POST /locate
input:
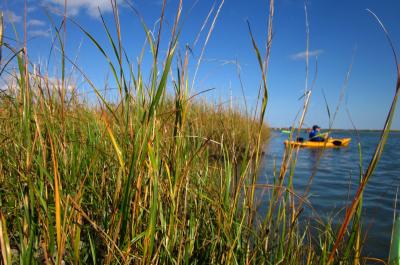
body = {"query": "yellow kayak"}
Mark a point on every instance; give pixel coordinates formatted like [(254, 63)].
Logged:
[(330, 142)]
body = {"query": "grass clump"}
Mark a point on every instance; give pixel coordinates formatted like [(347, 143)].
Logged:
[(227, 125), (75, 158), (129, 182)]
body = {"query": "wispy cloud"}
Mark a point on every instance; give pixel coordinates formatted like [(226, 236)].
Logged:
[(11, 17), (36, 23), (39, 33), (31, 9), (89, 6), (302, 55), (9, 82)]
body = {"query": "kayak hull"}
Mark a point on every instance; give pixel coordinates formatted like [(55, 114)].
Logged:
[(330, 143)]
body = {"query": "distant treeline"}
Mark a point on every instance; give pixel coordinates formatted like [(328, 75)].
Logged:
[(332, 130)]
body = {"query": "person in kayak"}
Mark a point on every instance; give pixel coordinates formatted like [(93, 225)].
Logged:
[(315, 135)]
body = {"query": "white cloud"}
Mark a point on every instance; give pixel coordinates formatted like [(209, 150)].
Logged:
[(36, 23), (9, 82), (90, 6), (55, 84), (39, 33), (11, 17), (303, 55), (31, 9)]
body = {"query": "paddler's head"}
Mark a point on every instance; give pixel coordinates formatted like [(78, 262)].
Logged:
[(316, 128)]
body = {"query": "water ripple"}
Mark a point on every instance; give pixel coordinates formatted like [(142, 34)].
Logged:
[(336, 179)]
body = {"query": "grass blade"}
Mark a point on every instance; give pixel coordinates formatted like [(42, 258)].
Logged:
[(4, 241)]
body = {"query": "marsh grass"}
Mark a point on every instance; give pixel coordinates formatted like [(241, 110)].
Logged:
[(155, 178)]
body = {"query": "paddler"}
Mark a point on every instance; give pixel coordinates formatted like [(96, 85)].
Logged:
[(315, 134)]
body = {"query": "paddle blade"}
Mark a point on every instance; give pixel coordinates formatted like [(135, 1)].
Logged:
[(337, 143)]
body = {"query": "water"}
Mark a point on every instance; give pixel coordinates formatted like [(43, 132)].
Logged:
[(336, 180)]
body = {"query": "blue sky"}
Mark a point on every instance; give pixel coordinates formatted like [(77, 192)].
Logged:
[(339, 31)]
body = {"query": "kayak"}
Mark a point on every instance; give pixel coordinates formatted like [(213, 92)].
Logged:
[(331, 142)]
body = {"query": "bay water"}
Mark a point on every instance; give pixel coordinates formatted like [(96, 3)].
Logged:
[(336, 180)]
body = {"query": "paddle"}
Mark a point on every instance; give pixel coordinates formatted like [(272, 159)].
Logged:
[(320, 135), (301, 139)]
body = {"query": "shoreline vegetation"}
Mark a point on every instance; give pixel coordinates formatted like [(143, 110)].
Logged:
[(157, 177)]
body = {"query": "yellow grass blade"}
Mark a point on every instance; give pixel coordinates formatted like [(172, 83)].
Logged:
[(57, 201), (4, 242), (116, 146)]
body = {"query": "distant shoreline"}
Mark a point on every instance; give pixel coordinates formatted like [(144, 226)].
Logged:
[(336, 130)]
